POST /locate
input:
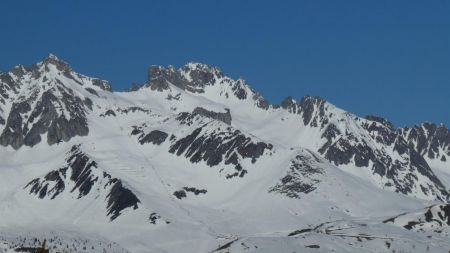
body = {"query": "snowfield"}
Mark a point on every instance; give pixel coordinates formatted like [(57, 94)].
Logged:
[(194, 161)]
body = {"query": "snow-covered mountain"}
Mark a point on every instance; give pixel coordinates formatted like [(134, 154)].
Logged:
[(195, 161)]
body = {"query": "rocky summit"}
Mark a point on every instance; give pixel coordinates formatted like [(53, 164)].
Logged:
[(195, 161)]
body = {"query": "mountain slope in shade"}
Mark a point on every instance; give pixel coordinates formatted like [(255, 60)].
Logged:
[(194, 161)]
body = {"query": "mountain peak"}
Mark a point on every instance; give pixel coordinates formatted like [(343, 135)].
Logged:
[(19, 70), (288, 103), (52, 59), (312, 99), (192, 77), (130, 160), (380, 120), (52, 56), (200, 67)]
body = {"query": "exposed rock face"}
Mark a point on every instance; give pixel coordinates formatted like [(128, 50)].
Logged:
[(371, 142), (200, 75), (92, 91), (10, 86), (43, 101), (156, 137), (429, 140), (261, 102), (64, 129), (120, 198), (110, 113), (13, 134), (67, 71), (224, 117), (402, 174), (42, 189), (311, 109), (303, 176), (289, 104), (81, 173), (209, 145), (195, 190), (381, 120), (85, 177), (102, 84), (154, 217), (383, 132), (196, 77), (44, 118), (133, 109), (180, 194), (434, 218)]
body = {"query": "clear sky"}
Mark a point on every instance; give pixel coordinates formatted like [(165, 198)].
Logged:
[(383, 57)]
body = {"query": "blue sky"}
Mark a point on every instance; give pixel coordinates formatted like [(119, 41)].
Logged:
[(388, 58)]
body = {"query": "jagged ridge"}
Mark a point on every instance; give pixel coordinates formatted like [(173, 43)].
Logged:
[(82, 173)]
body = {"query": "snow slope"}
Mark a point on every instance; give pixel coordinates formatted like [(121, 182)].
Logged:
[(194, 161)]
